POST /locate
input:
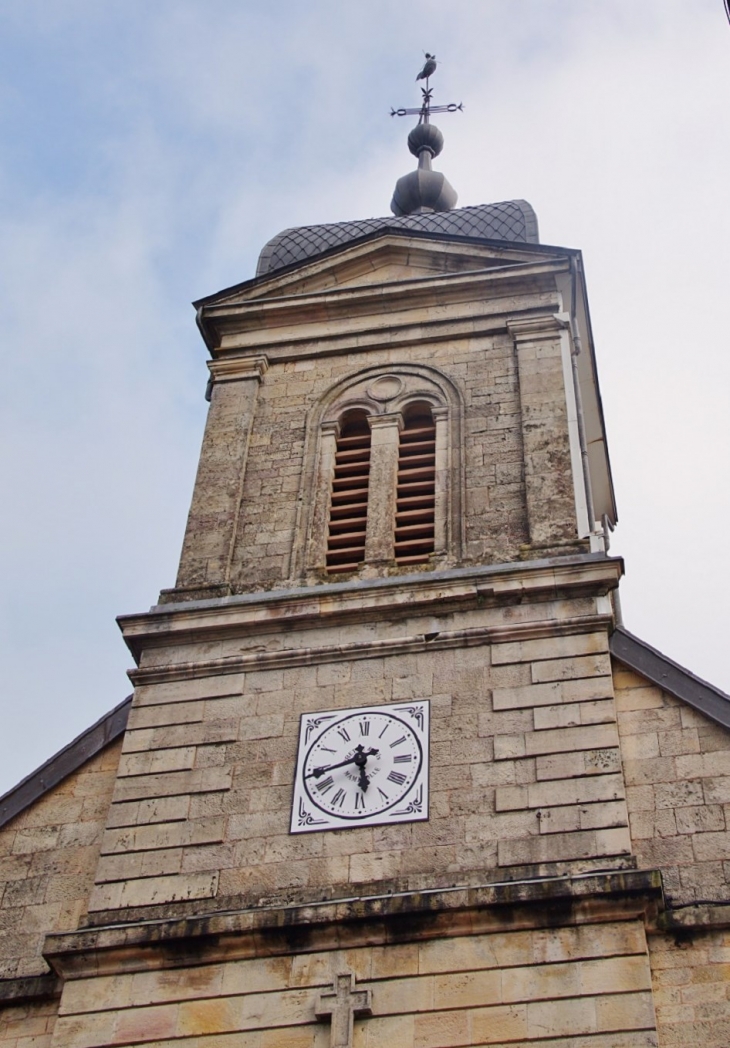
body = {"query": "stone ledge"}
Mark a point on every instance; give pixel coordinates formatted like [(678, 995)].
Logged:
[(698, 916), (14, 992), (313, 656), (178, 594), (306, 607), (358, 921)]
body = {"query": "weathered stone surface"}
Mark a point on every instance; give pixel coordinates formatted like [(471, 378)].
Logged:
[(557, 985), (677, 800), (48, 854)]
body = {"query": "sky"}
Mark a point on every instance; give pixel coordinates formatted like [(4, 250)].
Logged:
[(147, 153)]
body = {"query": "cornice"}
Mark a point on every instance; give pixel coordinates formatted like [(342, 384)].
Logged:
[(333, 305), (692, 919), (406, 645), (480, 318), (308, 607), (361, 921), (29, 990)]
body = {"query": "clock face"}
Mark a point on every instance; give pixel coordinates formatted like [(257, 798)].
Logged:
[(362, 767)]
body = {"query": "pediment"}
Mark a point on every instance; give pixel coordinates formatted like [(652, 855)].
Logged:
[(385, 259)]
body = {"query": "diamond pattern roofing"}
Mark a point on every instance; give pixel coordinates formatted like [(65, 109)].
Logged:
[(511, 220)]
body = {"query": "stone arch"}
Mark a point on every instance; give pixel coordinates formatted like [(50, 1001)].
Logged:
[(384, 392)]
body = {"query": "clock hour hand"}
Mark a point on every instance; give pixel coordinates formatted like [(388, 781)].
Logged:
[(359, 759)]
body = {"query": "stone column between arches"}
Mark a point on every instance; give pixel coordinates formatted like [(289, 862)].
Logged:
[(383, 487)]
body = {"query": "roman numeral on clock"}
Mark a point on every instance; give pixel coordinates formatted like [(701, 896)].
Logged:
[(325, 784), (405, 758), (343, 733), (397, 777), (364, 727), (359, 802), (397, 742), (338, 798)]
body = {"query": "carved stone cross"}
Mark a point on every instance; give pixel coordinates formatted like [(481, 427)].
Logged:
[(342, 1006)]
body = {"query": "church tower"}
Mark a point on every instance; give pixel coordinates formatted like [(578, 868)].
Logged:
[(371, 790)]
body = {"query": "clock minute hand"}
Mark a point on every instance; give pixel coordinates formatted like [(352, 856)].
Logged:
[(316, 772), (360, 758)]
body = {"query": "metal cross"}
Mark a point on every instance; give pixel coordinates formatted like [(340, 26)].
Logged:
[(425, 109), (342, 1006)]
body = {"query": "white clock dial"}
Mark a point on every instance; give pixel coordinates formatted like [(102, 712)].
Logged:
[(360, 767)]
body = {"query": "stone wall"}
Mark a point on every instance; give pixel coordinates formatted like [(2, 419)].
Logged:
[(494, 520), (250, 510), (572, 987), (48, 855), (525, 767), (28, 1025), (691, 979), (677, 769)]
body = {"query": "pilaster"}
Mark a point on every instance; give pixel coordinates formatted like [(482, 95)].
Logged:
[(212, 521), (549, 487)]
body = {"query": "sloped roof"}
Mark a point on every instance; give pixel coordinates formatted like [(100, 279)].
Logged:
[(670, 676), (511, 220), (65, 762)]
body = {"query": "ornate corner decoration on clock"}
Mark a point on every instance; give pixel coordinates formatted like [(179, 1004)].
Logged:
[(362, 767)]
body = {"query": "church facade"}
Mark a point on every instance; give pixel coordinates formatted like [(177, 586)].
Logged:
[(393, 771)]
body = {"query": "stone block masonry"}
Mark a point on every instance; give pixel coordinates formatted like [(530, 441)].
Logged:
[(48, 854), (280, 360), (574, 986), (677, 770), (691, 988), (201, 810)]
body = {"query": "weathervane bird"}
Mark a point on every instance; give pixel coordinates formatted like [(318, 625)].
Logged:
[(429, 68)]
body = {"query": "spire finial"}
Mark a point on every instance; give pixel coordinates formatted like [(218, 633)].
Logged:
[(424, 189)]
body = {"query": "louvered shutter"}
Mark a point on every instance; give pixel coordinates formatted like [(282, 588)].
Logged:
[(416, 499), (349, 500)]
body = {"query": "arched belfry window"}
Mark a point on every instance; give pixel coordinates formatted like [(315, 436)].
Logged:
[(416, 493), (349, 497), (382, 483)]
